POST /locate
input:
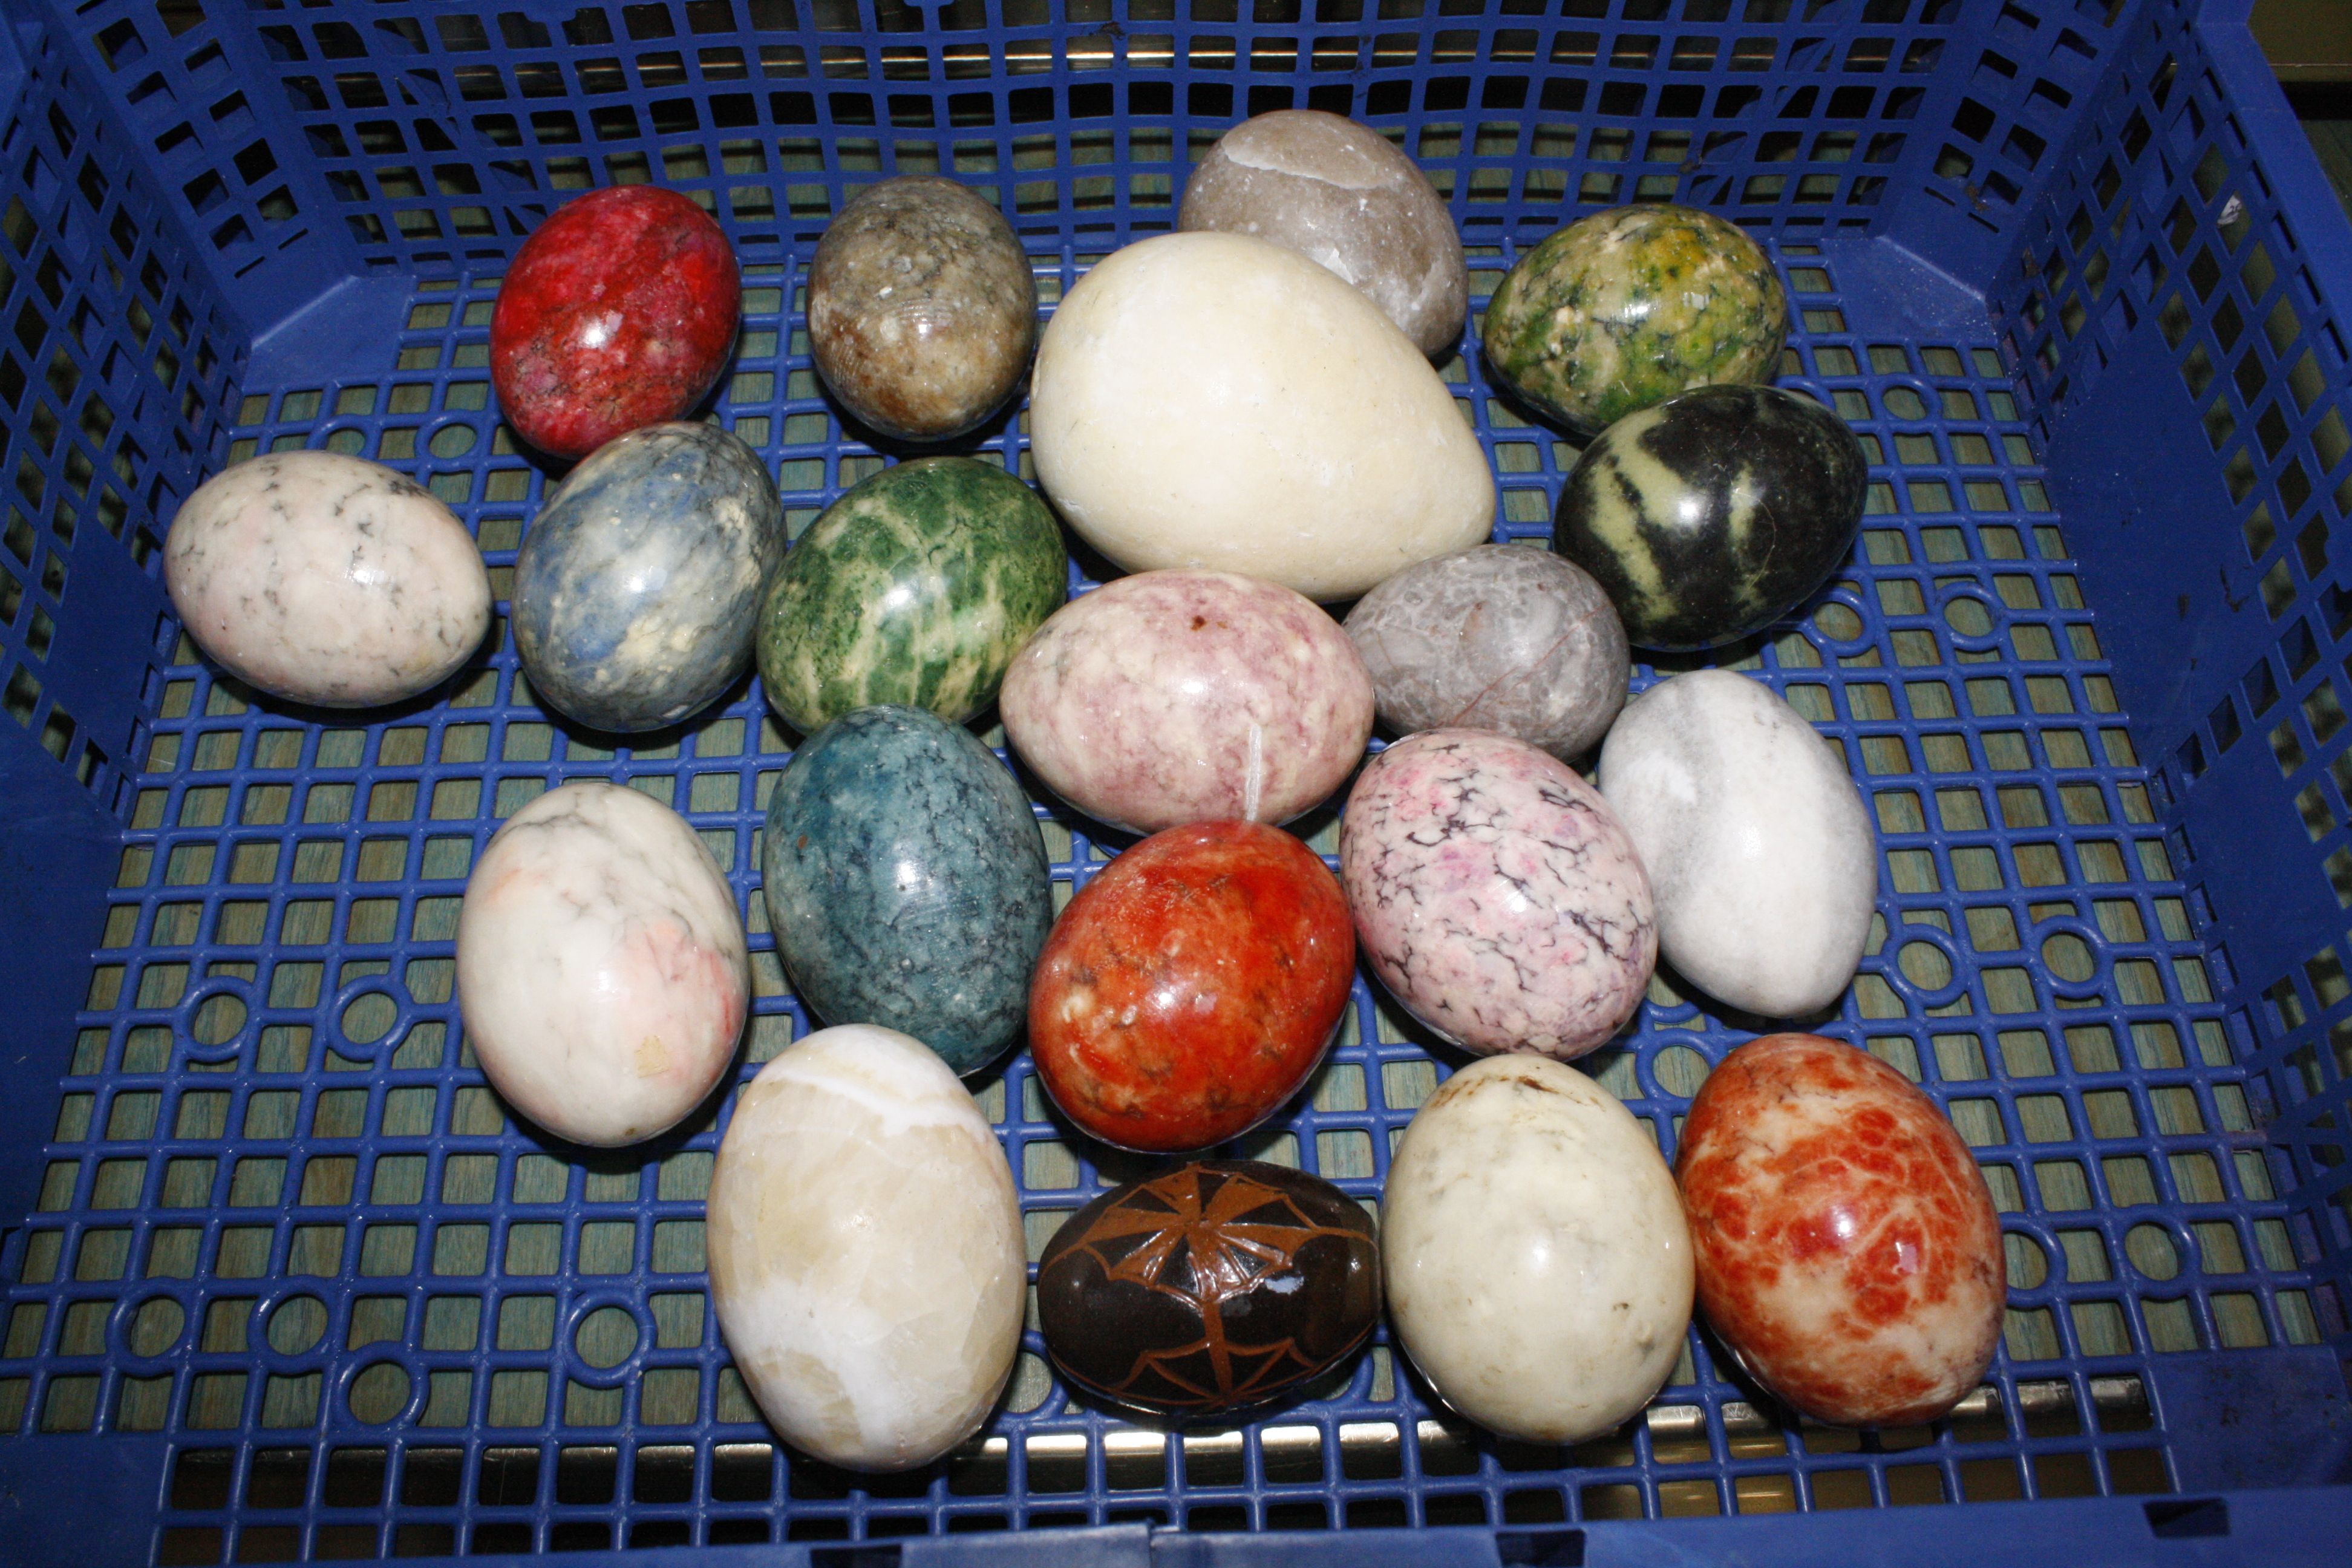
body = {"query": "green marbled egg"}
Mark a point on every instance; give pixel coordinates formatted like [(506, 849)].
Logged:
[(1625, 308), (915, 588)]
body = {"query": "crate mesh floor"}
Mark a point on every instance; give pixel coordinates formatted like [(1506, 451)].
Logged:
[(287, 1232), (286, 1221)]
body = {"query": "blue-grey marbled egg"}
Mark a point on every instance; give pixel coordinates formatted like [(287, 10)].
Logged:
[(906, 882), (639, 587)]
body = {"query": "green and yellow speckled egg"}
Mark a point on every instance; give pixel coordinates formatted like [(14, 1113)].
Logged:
[(1625, 308), (915, 588)]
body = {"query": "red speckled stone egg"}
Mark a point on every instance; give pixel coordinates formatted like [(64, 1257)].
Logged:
[(1192, 986), (1847, 1249), (619, 311)]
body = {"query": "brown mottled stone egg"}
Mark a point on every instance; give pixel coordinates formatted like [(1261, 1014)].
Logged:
[(922, 310)]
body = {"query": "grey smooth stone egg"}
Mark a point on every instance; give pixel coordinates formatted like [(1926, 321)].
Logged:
[(1508, 638), (1342, 195)]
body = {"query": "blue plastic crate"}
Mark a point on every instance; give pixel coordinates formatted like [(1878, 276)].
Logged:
[(287, 1284)]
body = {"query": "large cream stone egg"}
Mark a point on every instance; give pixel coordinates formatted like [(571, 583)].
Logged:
[(1534, 1253), (867, 1258), (1215, 401)]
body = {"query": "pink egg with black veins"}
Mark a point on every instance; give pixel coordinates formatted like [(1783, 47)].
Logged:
[(1182, 696), (1496, 895)]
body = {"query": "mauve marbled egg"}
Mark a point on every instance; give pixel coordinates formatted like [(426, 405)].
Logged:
[(324, 579), (1535, 1256), (1183, 695), (1848, 1250), (1500, 637), (1215, 1286), (601, 966), (906, 882), (1496, 894), (638, 586), (922, 310), (867, 1263)]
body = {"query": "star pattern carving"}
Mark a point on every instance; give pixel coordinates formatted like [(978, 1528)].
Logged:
[(1208, 1237)]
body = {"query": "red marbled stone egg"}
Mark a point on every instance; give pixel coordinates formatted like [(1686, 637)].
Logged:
[(1192, 986), (1847, 1250), (619, 311)]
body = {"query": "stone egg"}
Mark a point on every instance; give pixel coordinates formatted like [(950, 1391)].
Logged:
[(1533, 1251), (1495, 895), (1192, 986), (1761, 855), (917, 588), (638, 585), (906, 882), (1847, 1249), (1628, 307), (866, 1260), (1218, 402), (1713, 514), (323, 579), (1173, 697), (1219, 1286), (1507, 637), (922, 310), (619, 311), (1343, 195), (601, 966)]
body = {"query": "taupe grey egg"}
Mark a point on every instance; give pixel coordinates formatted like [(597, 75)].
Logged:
[(1508, 638), (922, 312), (1341, 193)]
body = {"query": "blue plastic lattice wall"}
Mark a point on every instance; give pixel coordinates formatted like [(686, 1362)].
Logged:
[(286, 1261)]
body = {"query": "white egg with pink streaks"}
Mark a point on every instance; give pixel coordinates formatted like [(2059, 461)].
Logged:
[(602, 970), (1181, 696)]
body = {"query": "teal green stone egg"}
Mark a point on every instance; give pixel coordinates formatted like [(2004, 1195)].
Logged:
[(917, 588), (1626, 308), (906, 882)]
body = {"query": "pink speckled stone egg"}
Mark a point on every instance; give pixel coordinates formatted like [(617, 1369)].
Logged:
[(1181, 696), (1496, 894)]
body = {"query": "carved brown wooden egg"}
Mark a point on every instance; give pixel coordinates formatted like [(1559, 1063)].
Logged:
[(1217, 1286)]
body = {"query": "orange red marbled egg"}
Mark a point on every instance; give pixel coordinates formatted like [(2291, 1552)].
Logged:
[(1847, 1250)]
